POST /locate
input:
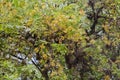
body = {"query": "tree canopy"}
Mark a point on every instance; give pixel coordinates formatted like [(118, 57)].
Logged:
[(59, 39)]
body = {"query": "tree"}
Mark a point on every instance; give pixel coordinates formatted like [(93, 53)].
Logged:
[(59, 40)]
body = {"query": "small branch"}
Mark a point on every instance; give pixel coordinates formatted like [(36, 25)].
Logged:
[(36, 66), (17, 57), (99, 10), (42, 72)]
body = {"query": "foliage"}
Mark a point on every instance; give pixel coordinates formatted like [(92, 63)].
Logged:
[(59, 40)]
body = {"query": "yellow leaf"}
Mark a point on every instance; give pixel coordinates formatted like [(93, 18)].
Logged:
[(29, 23), (44, 56), (106, 28), (32, 12), (43, 6), (9, 4), (14, 12), (62, 38), (36, 50), (46, 65), (53, 73), (117, 61), (42, 46), (107, 77), (106, 41), (82, 12), (36, 8), (52, 64), (92, 41), (60, 69)]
